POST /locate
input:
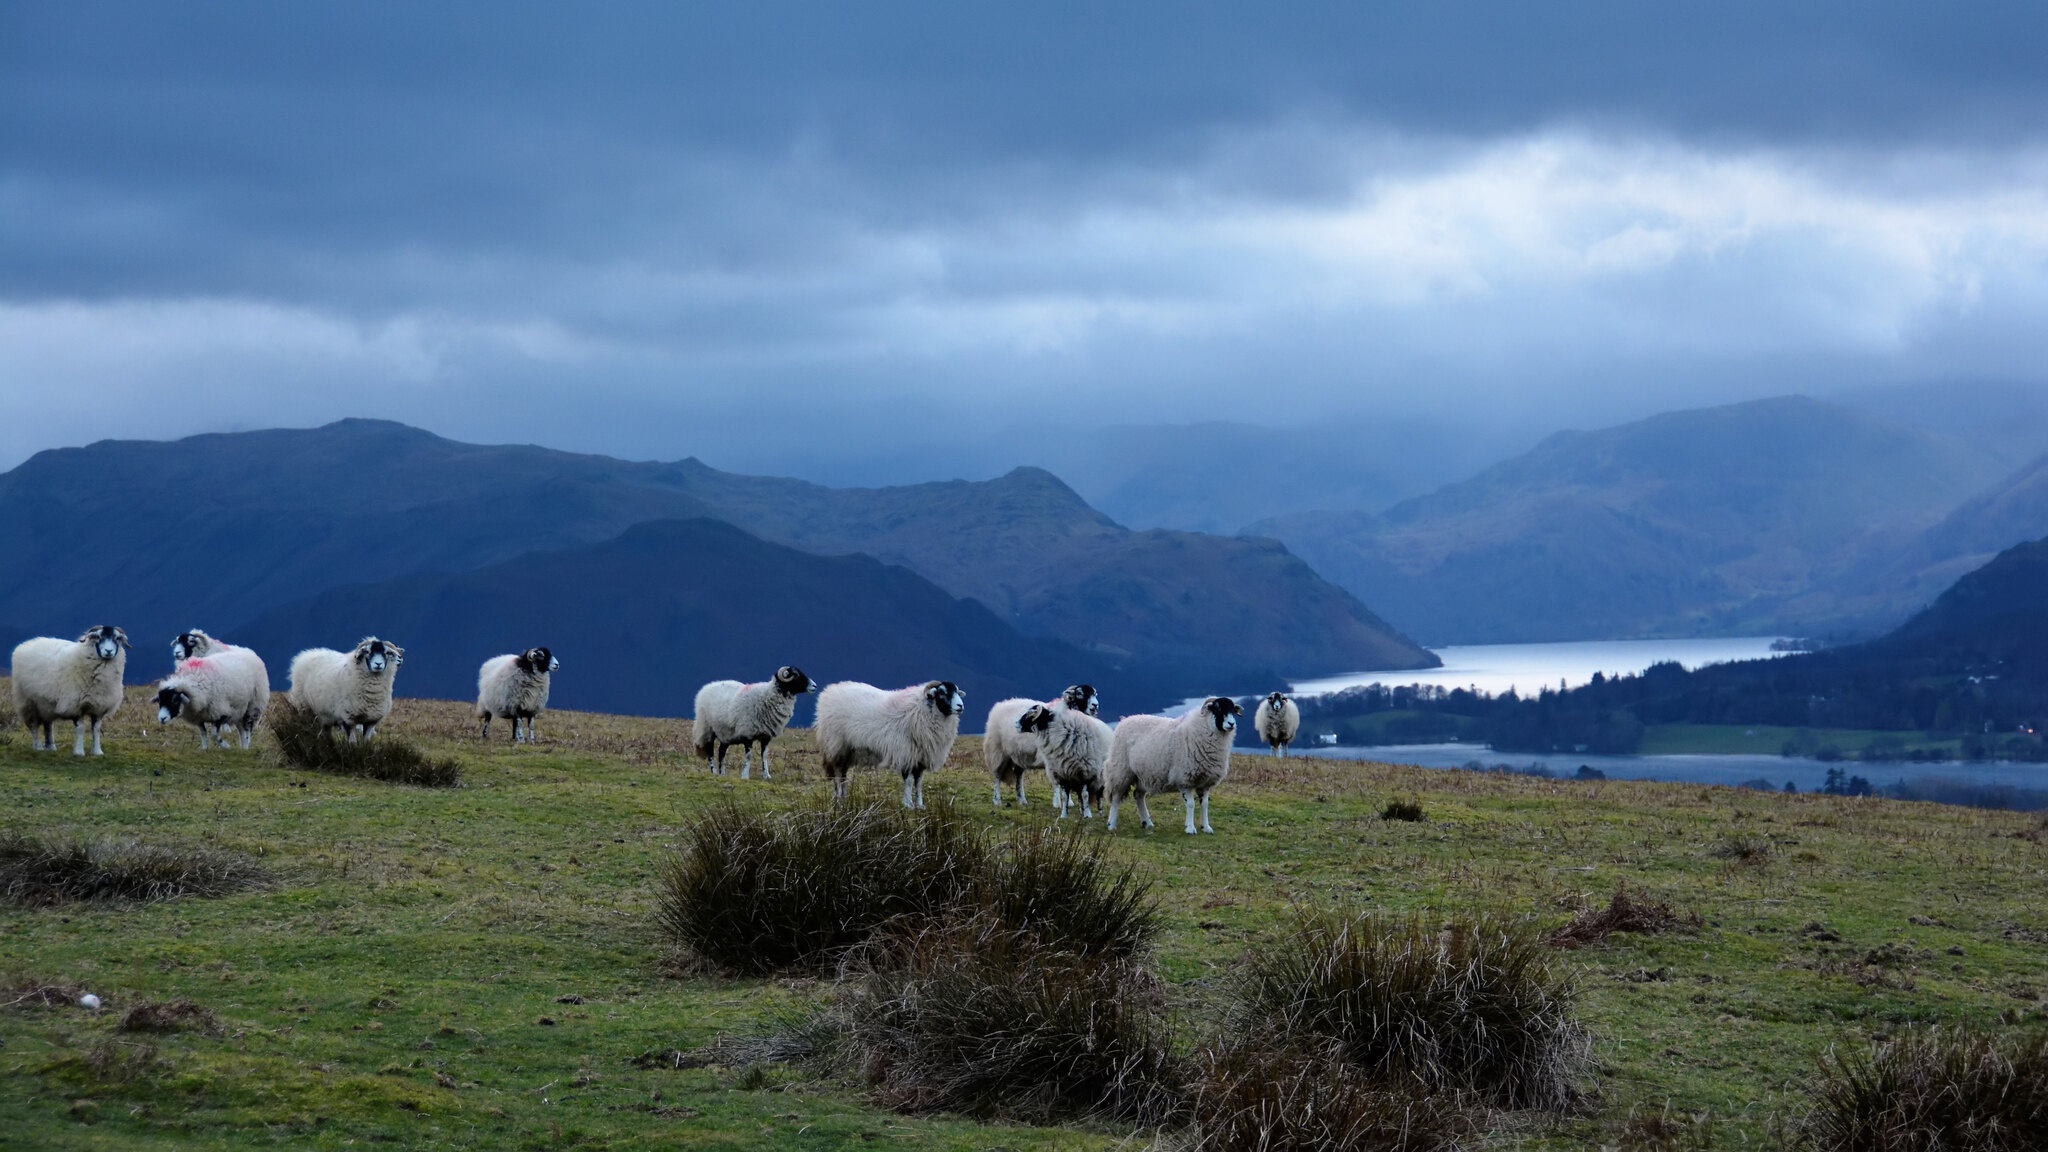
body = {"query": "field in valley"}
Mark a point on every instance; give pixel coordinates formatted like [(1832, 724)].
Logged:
[(479, 967)]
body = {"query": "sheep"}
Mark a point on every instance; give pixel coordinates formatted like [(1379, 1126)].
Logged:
[(214, 685), (76, 680), (729, 712), (1079, 697), (347, 690), (514, 688), (1073, 747), (1010, 751), (1153, 754), (909, 731), (1277, 720)]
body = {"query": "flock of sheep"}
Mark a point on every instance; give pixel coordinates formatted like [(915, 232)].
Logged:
[(218, 687)]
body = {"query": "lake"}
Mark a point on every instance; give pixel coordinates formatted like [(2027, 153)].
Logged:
[(1527, 668), (1804, 773)]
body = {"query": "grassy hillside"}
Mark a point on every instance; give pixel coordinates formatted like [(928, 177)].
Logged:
[(477, 968)]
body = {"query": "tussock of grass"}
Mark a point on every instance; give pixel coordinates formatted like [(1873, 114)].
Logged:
[(1744, 849), (1066, 889), (1474, 1006), (1405, 810), (170, 1016), (757, 891), (39, 871), (38, 994), (1624, 913), (1267, 1094), (304, 743), (968, 1014), (1933, 1090)]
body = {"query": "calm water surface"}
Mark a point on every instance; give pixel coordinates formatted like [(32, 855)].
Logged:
[(1528, 668)]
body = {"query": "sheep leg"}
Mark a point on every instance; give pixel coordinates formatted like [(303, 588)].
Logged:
[(1020, 789), (1113, 802), (998, 790), (918, 779), (247, 734), (908, 792), (1187, 807), (1205, 814), (764, 759), (77, 738), (484, 732), (98, 722), (1144, 810), (1283, 751)]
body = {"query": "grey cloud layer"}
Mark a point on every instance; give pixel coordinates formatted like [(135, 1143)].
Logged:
[(636, 233)]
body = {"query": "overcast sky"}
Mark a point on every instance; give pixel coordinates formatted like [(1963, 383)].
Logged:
[(783, 235)]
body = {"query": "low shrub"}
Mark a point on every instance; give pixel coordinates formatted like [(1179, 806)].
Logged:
[(1407, 810), (1264, 1094), (304, 743), (37, 871), (1623, 913), (1933, 1090), (1064, 888), (967, 1014), (757, 891), (1474, 1005)]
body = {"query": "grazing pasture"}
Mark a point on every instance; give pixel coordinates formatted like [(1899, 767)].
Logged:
[(485, 966)]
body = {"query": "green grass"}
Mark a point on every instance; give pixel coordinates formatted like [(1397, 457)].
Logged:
[(1763, 740), (390, 986)]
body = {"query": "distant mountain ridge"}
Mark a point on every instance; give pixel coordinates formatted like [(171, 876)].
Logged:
[(218, 530), (643, 640), (1721, 520)]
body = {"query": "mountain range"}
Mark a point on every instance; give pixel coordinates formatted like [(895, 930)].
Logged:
[(1781, 515), (254, 530)]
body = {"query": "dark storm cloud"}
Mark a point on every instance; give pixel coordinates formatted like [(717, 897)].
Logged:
[(637, 227)]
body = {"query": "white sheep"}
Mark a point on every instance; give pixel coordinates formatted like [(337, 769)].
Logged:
[(347, 690), (729, 712), (1152, 755), (909, 731), (1010, 752), (214, 685), (514, 688), (1073, 746), (1079, 697), (1277, 721), (76, 680)]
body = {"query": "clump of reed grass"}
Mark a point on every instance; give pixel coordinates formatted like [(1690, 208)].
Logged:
[(1622, 913), (1475, 1005), (304, 742), (170, 1016), (1405, 810), (756, 891), (969, 1014), (40, 870), (1065, 888), (1933, 1090), (1743, 849), (1266, 1093)]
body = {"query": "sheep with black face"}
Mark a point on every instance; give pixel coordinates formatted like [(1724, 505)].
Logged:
[(347, 690), (1152, 755), (214, 685), (515, 688), (1277, 721), (1073, 746), (729, 712), (76, 680), (909, 731)]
